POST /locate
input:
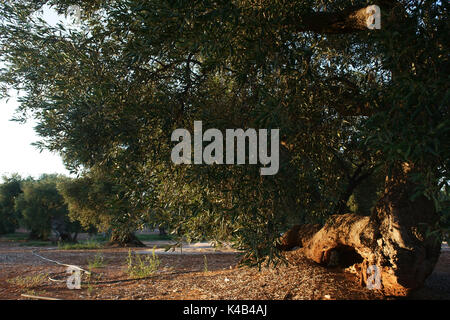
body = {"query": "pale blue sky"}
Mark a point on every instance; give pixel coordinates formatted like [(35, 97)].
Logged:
[(18, 155)]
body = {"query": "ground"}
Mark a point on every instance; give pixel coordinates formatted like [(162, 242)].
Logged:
[(197, 273)]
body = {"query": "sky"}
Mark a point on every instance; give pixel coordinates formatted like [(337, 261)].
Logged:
[(17, 155)]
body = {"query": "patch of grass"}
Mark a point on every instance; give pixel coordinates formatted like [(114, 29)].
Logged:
[(142, 267), (22, 238), (17, 236), (81, 245), (35, 293), (35, 243), (90, 290), (153, 237), (99, 238), (29, 281), (97, 262)]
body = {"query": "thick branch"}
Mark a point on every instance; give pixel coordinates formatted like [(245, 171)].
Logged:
[(349, 100), (347, 21), (354, 181), (350, 20), (400, 240)]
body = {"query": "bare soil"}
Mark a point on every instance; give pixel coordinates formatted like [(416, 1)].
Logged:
[(184, 276)]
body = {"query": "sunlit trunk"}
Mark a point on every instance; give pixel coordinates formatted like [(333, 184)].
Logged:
[(397, 241)]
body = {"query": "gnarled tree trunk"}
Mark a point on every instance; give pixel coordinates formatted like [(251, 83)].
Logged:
[(120, 239), (60, 227), (395, 239)]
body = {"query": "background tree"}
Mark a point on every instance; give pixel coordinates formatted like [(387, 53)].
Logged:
[(95, 200), (9, 191), (43, 210)]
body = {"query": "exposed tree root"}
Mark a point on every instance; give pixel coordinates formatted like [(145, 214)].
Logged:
[(396, 239)]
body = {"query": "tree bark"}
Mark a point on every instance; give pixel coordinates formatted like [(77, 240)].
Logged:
[(60, 227), (162, 231), (396, 239), (347, 21), (118, 239), (350, 20)]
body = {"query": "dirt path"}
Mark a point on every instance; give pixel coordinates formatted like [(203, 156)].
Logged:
[(200, 274)]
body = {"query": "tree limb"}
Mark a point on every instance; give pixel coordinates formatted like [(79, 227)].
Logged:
[(350, 20), (347, 21)]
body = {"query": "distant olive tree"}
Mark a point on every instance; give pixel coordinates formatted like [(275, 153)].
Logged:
[(95, 199), (43, 210), (9, 191)]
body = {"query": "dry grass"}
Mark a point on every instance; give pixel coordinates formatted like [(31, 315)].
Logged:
[(28, 282)]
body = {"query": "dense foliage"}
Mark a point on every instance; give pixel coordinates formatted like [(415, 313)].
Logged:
[(43, 210), (95, 200), (9, 191)]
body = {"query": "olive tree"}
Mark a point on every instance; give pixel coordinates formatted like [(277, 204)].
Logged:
[(350, 102)]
